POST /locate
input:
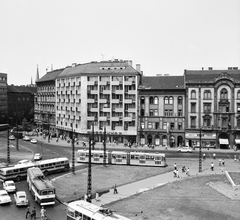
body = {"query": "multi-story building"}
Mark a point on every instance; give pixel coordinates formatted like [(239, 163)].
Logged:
[(161, 111), (45, 102), (99, 94), (21, 103), (3, 99), (212, 107)]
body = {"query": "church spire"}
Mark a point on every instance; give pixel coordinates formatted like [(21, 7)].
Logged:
[(37, 76), (31, 81)]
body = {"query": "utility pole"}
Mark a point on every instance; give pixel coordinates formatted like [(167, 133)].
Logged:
[(104, 147), (17, 146), (200, 152), (8, 148), (48, 129), (73, 152)]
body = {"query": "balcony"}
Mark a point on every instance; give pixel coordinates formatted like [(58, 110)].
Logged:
[(90, 100), (115, 101), (107, 91), (118, 110), (102, 83), (106, 109), (94, 109), (90, 118), (127, 83), (103, 118), (94, 92), (132, 110), (115, 118), (131, 92), (118, 91), (90, 83), (102, 100), (115, 83), (128, 101), (128, 118)]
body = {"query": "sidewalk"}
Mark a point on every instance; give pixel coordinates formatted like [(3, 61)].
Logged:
[(156, 181)]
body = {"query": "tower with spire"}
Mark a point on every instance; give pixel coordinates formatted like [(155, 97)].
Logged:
[(37, 76)]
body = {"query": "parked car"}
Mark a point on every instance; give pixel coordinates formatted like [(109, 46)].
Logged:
[(4, 197), (20, 198), (9, 186), (24, 161), (37, 156), (11, 137), (26, 138), (33, 141), (185, 150)]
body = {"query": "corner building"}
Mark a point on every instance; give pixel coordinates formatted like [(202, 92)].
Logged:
[(98, 94), (213, 108)]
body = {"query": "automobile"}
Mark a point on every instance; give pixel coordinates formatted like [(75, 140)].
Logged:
[(9, 186), (185, 150), (37, 156), (26, 138), (33, 141), (11, 137), (4, 197), (20, 198), (24, 161)]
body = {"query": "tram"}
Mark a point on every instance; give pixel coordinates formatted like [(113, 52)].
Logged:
[(123, 158)]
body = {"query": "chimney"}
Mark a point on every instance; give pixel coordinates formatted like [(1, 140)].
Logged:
[(138, 67), (229, 68), (129, 62), (210, 68), (202, 68), (74, 64)]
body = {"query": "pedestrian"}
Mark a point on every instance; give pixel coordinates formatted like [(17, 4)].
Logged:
[(235, 158), (97, 197), (115, 189), (214, 156), (43, 213), (28, 212), (212, 166), (177, 173), (223, 162), (188, 171), (220, 162), (33, 214), (204, 156), (175, 166), (174, 174), (183, 169), (85, 197)]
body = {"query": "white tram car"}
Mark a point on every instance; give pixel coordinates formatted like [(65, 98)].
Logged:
[(123, 158), (81, 209)]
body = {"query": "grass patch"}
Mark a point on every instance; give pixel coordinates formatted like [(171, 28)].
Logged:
[(235, 177), (71, 187), (189, 199)]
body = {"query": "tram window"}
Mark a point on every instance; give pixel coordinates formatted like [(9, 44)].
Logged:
[(70, 213), (9, 172), (86, 217), (16, 171)]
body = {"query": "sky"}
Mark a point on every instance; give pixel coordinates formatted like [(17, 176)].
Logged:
[(163, 36)]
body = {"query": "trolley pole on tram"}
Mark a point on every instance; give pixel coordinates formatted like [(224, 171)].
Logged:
[(104, 147)]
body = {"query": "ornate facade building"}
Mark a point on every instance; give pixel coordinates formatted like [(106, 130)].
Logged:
[(212, 107), (45, 102), (98, 94), (162, 111)]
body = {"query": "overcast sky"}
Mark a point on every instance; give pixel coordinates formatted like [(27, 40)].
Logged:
[(164, 36)]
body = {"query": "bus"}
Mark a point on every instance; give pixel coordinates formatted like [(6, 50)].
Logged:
[(135, 158), (83, 210), (19, 171), (41, 188)]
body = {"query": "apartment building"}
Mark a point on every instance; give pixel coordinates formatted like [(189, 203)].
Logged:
[(45, 102), (213, 107), (3, 99), (98, 95), (161, 111)]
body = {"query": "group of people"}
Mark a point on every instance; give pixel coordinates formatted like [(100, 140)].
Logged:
[(33, 213), (184, 170)]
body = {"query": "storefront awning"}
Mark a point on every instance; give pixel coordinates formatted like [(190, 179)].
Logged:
[(223, 141), (237, 141)]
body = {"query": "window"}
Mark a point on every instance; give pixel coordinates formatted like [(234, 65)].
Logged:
[(155, 100), (156, 125), (193, 107), (151, 100), (166, 100), (151, 112), (238, 108), (180, 100), (149, 124), (238, 122), (207, 121), (172, 125), (193, 94), (168, 113), (238, 94), (170, 100), (223, 94), (179, 125), (142, 125), (142, 112), (207, 94), (193, 122), (180, 113), (164, 125), (142, 100), (207, 108), (155, 112)]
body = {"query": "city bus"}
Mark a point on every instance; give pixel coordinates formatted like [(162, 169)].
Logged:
[(19, 171), (41, 188), (83, 210)]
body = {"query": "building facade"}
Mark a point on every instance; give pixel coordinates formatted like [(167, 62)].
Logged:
[(3, 99), (213, 107), (21, 103), (161, 111), (45, 102), (98, 95)]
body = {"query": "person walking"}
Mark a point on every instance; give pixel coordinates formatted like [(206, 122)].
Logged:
[(43, 213), (28, 212), (33, 214), (115, 189), (223, 162), (212, 166), (188, 171), (97, 197), (220, 162), (204, 156), (214, 156), (175, 166)]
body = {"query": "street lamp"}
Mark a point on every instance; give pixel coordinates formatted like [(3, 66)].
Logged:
[(73, 151), (200, 151), (104, 147)]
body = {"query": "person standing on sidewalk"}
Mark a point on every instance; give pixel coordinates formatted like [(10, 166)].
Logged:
[(28, 212), (212, 166), (214, 156), (204, 156), (175, 166), (115, 189), (223, 162)]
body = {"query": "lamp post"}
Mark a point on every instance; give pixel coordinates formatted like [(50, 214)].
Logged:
[(200, 151), (104, 147), (48, 128), (73, 151)]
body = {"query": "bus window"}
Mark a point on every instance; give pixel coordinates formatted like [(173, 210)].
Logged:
[(16, 170)]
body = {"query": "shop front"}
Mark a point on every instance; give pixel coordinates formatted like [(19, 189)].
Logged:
[(207, 139)]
